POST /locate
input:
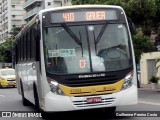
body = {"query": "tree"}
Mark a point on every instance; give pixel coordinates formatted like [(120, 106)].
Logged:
[(142, 12), (142, 44), (156, 22), (15, 31), (5, 51), (6, 47), (81, 2)]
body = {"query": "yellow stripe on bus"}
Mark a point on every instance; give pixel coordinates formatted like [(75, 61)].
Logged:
[(92, 90)]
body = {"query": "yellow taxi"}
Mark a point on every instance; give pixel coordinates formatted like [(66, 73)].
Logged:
[(7, 77)]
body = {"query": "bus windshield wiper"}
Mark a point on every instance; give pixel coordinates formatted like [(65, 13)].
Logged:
[(71, 34), (101, 33)]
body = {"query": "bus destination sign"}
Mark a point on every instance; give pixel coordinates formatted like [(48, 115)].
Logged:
[(80, 16)]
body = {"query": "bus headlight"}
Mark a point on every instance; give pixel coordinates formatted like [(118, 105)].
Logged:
[(55, 88), (128, 81)]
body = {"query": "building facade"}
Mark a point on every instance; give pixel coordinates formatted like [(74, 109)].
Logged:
[(11, 15), (32, 7), (149, 66)]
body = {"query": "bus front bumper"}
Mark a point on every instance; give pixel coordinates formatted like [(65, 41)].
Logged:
[(55, 103)]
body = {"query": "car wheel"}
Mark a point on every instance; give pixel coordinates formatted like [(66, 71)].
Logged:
[(1, 86)]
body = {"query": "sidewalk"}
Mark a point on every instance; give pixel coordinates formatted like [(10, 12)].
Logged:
[(148, 88), (147, 95)]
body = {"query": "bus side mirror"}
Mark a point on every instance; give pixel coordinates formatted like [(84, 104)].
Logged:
[(132, 27)]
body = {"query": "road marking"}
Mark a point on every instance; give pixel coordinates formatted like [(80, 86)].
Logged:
[(149, 103), (2, 96)]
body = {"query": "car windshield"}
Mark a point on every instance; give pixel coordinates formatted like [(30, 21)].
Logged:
[(86, 48), (7, 72)]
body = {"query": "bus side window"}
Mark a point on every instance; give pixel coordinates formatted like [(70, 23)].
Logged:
[(16, 53), (24, 40), (33, 44), (18, 50), (21, 49), (37, 32), (28, 45), (37, 38)]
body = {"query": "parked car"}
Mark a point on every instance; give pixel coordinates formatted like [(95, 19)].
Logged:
[(7, 77)]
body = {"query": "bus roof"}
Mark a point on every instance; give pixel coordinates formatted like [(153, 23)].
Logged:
[(65, 8), (80, 6)]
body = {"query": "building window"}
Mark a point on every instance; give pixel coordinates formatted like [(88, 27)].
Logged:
[(49, 3), (13, 6), (66, 1), (13, 16)]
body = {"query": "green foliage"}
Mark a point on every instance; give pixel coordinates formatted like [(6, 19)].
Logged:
[(81, 2), (145, 13), (154, 79), (15, 31), (6, 47), (142, 44), (6, 51)]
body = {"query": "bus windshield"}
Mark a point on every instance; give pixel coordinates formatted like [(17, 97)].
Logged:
[(88, 48)]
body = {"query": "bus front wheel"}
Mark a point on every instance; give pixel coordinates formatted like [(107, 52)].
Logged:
[(37, 105)]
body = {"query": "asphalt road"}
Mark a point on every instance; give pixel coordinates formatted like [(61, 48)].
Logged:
[(10, 100)]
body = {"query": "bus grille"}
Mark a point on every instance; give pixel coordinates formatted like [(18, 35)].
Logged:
[(92, 81), (83, 103)]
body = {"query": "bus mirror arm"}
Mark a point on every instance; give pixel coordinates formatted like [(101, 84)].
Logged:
[(132, 27)]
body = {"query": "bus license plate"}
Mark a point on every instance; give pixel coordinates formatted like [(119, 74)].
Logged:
[(94, 100)]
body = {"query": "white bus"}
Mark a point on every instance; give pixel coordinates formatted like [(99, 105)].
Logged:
[(75, 58)]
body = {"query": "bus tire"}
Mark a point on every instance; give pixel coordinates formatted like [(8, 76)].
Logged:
[(25, 102), (44, 114), (37, 105)]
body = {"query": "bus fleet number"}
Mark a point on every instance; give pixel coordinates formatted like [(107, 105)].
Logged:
[(68, 17)]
